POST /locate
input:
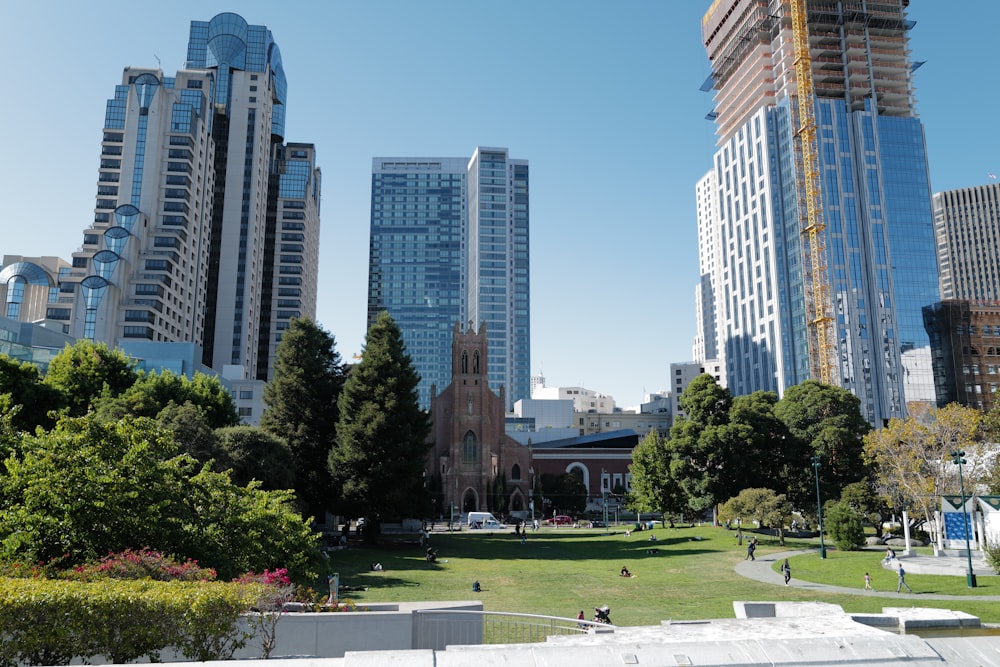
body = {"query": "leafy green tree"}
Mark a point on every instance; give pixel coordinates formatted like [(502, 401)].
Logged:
[(152, 392), (381, 450), (24, 384), (826, 421), (301, 401), (653, 488), (705, 402), (193, 434), (693, 462), (843, 523), (864, 498), (763, 506), (255, 454), (566, 493), (86, 371), (10, 435), (91, 487)]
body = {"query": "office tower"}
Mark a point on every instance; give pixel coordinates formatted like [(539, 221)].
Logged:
[(289, 278), (449, 243), (141, 271), (871, 243), (967, 225), (196, 194), (498, 286)]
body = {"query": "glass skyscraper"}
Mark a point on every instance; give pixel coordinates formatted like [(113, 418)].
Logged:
[(449, 243), (206, 227), (876, 205)]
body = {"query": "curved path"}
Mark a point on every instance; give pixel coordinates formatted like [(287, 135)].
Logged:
[(760, 570)]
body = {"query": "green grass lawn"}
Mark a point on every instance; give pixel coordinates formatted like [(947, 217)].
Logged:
[(847, 568), (561, 571)]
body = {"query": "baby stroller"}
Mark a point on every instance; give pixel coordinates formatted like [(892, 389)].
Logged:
[(602, 614)]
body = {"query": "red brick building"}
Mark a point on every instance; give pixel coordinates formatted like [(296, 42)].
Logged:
[(470, 450)]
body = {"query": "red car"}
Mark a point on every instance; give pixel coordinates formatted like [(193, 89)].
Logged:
[(560, 520)]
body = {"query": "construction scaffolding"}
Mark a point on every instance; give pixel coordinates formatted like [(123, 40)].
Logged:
[(815, 280)]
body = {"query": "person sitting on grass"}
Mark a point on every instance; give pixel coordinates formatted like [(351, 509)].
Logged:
[(625, 572), (376, 567)]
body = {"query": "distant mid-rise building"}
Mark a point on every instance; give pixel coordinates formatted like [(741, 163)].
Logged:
[(449, 243), (965, 326), (681, 375), (584, 400), (967, 226), (876, 241), (206, 225), (32, 290), (965, 342)]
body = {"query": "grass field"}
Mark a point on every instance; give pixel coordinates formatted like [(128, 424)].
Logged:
[(561, 571)]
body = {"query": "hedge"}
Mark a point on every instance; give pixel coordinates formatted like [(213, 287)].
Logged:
[(51, 622)]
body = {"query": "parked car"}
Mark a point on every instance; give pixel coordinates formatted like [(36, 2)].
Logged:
[(560, 520)]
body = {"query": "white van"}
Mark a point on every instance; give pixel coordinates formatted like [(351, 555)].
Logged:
[(478, 520)]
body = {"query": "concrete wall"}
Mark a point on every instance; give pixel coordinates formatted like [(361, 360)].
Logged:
[(331, 634)]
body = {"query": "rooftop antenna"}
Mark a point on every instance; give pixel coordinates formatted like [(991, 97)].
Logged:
[(159, 65)]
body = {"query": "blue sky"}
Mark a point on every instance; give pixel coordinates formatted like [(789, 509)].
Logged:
[(602, 98)]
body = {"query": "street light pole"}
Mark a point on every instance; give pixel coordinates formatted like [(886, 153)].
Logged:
[(819, 508), (956, 458)]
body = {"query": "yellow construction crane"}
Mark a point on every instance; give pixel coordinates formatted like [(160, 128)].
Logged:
[(815, 281)]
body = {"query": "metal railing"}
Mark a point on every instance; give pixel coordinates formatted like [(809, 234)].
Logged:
[(436, 629)]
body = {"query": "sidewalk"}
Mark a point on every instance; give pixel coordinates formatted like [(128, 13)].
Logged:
[(760, 570)]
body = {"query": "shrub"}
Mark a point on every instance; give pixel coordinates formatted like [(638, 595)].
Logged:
[(48, 622), (993, 556), (844, 524), (141, 564)]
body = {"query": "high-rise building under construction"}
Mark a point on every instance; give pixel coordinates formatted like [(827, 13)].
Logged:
[(817, 210)]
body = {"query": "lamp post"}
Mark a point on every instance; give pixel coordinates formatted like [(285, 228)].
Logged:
[(604, 492), (956, 458), (819, 508)]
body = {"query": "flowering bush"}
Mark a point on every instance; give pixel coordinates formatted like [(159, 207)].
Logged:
[(141, 564)]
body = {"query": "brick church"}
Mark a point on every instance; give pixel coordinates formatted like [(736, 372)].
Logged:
[(473, 465)]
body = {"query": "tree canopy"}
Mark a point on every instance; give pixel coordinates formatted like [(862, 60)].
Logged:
[(90, 487), (912, 461), (85, 371), (24, 385), (380, 455), (254, 454), (301, 408), (152, 391), (721, 445)]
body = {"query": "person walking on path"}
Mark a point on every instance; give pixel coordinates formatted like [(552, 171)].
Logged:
[(751, 547), (902, 581), (786, 570), (868, 582)]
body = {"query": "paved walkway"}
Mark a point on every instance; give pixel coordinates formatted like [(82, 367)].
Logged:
[(760, 570)]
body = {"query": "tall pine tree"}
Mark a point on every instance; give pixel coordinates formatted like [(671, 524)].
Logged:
[(379, 459), (301, 401)]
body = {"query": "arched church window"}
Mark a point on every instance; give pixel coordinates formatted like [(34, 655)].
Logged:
[(465, 362), (515, 472), (470, 448), (475, 362)]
